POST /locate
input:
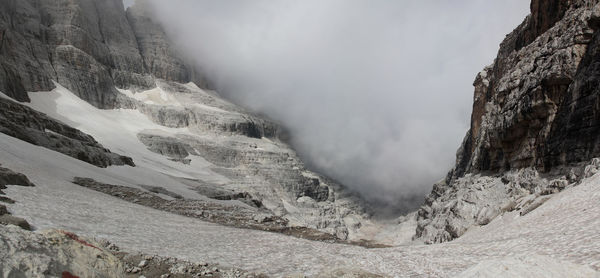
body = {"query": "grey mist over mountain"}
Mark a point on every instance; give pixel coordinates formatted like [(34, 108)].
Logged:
[(376, 94)]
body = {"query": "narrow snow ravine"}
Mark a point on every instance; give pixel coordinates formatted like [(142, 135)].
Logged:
[(565, 228), (564, 231)]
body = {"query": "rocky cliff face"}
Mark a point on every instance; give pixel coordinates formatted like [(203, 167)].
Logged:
[(88, 46), (535, 121), (117, 59)]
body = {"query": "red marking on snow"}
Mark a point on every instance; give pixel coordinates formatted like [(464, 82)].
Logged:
[(67, 274), (76, 238)]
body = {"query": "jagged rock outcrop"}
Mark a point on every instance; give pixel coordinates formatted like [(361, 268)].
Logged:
[(517, 99), (536, 108), (574, 133)]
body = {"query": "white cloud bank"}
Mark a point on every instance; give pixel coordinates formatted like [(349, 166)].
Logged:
[(376, 93)]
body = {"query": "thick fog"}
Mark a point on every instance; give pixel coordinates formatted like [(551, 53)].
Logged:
[(377, 94)]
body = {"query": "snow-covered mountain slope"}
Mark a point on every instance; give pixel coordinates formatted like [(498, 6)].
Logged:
[(82, 55), (207, 155), (569, 237), (175, 170)]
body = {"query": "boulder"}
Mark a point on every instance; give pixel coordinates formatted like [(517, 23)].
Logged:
[(54, 254)]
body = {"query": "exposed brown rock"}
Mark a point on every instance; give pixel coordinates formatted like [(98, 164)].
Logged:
[(544, 14), (517, 99), (536, 118)]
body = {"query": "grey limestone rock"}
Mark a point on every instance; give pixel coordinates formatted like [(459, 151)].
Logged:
[(87, 46), (6, 219), (9, 177), (159, 57), (54, 254), (166, 146)]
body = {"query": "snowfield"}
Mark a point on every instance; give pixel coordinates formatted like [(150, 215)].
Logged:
[(117, 130), (561, 238)]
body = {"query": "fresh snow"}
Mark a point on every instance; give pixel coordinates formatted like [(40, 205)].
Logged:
[(564, 231), (117, 130)]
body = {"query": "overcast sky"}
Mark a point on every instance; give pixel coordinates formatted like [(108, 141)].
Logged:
[(377, 93)]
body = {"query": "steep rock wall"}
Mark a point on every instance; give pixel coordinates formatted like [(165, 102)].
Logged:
[(87, 46), (534, 121), (517, 98)]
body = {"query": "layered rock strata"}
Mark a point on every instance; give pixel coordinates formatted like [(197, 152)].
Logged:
[(89, 47), (246, 150)]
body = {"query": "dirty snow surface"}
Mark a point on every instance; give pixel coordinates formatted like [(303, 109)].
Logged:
[(561, 238)]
